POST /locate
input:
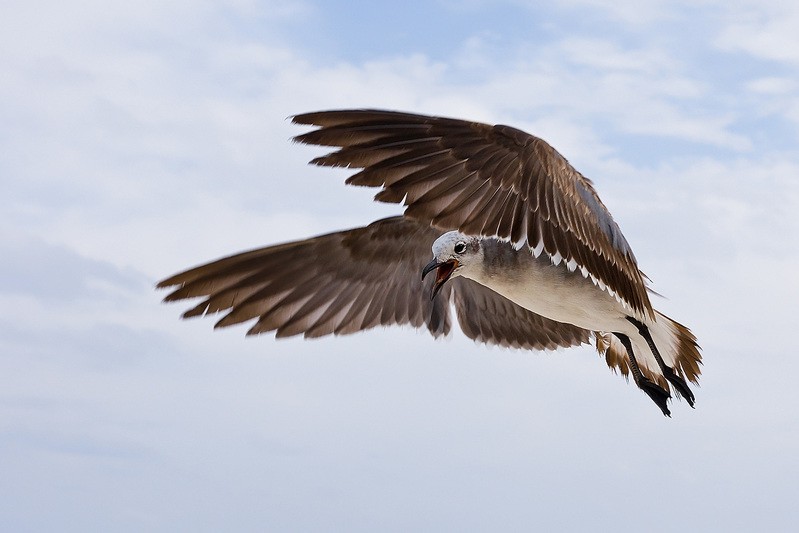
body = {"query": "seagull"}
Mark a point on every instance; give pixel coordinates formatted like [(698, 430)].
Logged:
[(523, 249)]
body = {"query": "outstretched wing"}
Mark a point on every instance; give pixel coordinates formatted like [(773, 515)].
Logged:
[(483, 180), (354, 280)]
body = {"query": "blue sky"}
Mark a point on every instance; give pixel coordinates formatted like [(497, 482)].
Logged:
[(142, 138)]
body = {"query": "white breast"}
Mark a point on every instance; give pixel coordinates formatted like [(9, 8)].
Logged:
[(555, 292)]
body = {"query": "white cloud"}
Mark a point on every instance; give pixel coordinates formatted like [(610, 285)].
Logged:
[(765, 30), (630, 12), (772, 86)]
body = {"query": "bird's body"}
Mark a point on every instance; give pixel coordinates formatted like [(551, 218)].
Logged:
[(522, 247), (564, 293), (549, 290)]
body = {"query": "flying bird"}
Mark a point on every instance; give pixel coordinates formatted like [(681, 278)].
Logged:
[(522, 248)]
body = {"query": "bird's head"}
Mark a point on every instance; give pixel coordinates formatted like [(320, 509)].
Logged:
[(454, 254)]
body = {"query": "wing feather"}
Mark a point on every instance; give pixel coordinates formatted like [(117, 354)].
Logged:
[(354, 280), (513, 185)]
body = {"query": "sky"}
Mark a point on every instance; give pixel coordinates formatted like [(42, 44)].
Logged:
[(142, 138)]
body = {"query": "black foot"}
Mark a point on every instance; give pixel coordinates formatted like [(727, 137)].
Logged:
[(658, 394), (679, 384)]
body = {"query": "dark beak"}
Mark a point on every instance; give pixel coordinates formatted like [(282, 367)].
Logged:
[(445, 271)]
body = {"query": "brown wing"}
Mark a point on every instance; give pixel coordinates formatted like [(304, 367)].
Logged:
[(354, 280), (483, 180)]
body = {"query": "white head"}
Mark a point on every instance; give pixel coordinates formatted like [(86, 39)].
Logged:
[(454, 254)]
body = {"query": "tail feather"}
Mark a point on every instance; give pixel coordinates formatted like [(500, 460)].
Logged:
[(675, 342), (680, 345)]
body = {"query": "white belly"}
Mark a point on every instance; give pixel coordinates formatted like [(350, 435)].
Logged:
[(554, 292)]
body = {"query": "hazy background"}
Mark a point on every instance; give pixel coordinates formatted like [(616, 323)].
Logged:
[(140, 138)]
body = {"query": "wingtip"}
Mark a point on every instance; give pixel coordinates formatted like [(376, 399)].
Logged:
[(196, 311), (171, 281), (163, 284), (301, 119), (313, 118)]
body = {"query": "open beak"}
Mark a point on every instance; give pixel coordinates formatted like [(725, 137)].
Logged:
[(445, 271)]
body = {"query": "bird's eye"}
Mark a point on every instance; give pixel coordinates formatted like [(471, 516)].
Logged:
[(460, 247)]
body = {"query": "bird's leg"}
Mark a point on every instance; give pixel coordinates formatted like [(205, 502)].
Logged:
[(658, 394), (677, 381)]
